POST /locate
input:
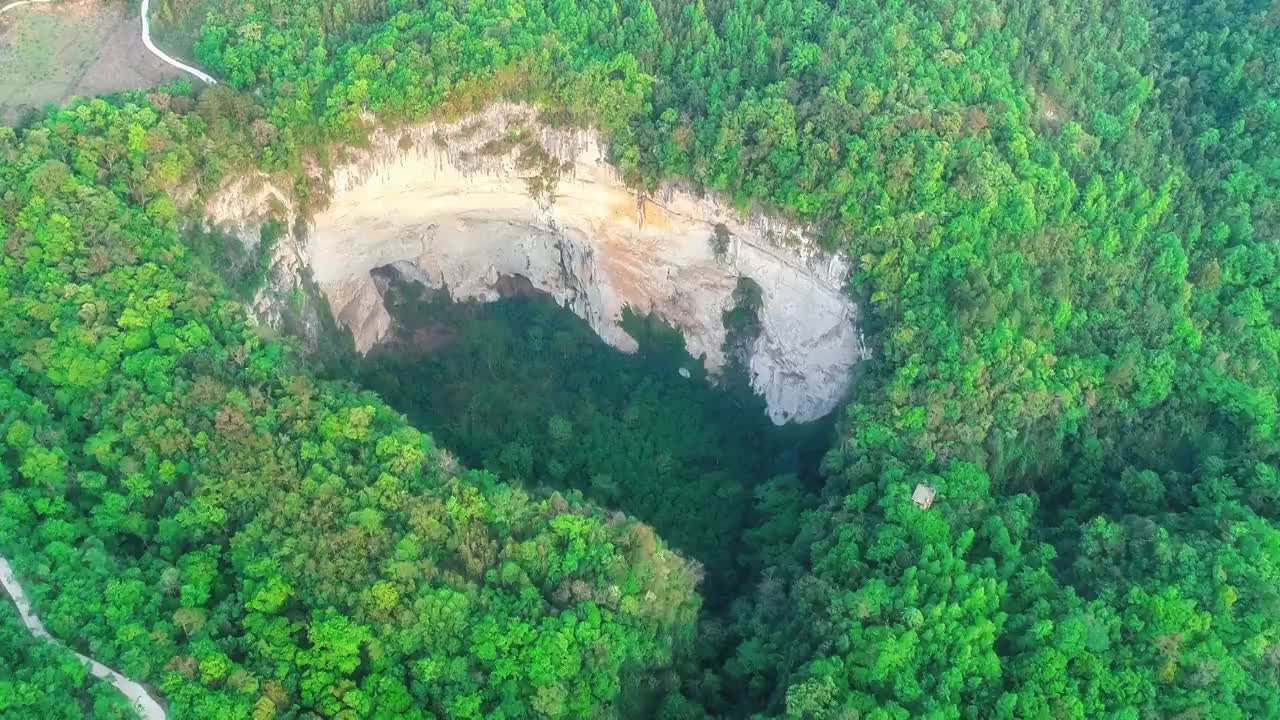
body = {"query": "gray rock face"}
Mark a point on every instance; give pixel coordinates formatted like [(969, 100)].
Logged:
[(497, 193)]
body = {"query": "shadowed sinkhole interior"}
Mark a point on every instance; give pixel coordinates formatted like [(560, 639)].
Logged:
[(525, 388)]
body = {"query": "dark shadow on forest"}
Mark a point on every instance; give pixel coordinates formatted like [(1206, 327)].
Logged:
[(526, 389)]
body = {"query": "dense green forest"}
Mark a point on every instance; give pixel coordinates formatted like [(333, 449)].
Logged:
[(1064, 220), (41, 681), (193, 508)]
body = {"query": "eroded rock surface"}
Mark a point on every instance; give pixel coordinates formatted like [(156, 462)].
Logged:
[(500, 194)]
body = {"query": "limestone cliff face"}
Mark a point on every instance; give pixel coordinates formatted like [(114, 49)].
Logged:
[(499, 193)]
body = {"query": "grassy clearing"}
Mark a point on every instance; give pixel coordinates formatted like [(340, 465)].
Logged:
[(42, 55), (51, 53)]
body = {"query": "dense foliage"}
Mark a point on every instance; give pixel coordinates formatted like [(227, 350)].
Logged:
[(39, 680), (194, 509), (1064, 218)]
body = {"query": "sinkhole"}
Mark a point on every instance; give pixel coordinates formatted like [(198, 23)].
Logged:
[(524, 388)]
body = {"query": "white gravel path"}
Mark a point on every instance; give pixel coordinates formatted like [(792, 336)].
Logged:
[(146, 40), (143, 702)]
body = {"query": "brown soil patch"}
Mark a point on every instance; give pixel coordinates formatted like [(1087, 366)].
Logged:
[(1050, 110)]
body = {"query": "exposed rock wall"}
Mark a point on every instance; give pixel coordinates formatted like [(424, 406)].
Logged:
[(498, 193)]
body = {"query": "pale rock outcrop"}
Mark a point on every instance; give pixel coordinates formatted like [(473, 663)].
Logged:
[(498, 193)]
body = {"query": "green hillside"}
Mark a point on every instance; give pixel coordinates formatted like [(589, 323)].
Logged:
[(1064, 220)]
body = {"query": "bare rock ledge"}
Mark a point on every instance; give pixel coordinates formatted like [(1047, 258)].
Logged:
[(499, 193)]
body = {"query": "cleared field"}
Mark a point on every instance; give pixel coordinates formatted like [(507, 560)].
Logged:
[(52, 52)]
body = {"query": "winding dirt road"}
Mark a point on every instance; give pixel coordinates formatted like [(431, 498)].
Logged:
[(147, 707), (146, 39)]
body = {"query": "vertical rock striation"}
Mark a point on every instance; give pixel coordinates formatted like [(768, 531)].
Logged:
[(498, 193)]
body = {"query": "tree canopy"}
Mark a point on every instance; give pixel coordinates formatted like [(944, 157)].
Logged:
[(1064, 224)]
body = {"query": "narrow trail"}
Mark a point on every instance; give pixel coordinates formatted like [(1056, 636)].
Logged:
[(147, 707), (20, 3), (146, 40)]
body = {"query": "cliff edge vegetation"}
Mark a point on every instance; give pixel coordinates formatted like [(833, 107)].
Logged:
[(1063, 220)]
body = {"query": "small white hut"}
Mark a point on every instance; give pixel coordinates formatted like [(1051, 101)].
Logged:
[(923, 496)]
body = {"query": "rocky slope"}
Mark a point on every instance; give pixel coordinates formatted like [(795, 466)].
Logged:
[(499, 193)]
